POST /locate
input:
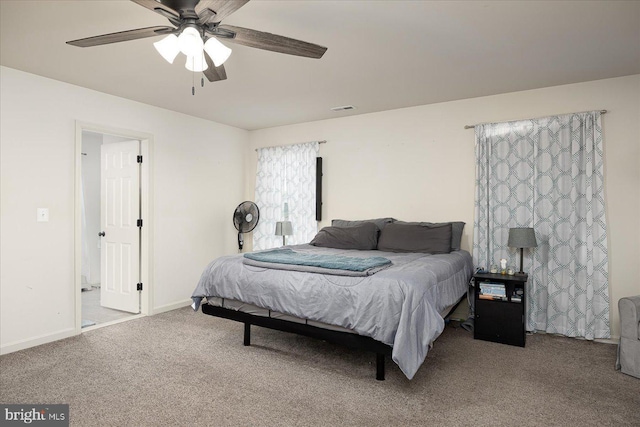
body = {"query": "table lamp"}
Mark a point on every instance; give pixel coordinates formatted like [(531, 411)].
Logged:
[(522, 238), (284, 229)]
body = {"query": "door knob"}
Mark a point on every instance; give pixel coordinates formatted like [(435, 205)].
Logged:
[(101, 234)]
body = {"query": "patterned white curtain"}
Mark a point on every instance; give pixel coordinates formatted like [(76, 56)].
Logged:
[(286, 190), (548, 174)]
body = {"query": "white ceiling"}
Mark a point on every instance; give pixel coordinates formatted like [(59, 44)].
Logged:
[(381, 55)]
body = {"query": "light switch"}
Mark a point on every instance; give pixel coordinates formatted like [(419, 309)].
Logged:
[(43, 214)]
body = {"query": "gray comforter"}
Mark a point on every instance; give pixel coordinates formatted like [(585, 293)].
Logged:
[(398, 306)]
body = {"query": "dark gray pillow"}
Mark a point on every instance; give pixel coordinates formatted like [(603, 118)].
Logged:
[(362, 237), (380, 222), (434, 239), (456, 230)]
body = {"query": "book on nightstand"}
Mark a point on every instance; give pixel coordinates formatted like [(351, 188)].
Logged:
[(492, 291)]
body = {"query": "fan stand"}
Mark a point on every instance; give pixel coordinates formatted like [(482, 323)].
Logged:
[(240, 241)]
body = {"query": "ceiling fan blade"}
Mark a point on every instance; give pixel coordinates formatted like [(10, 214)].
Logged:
[(214, 73), (222, 9), (205, 16), (122, 36), (273, 42), (159, 7)]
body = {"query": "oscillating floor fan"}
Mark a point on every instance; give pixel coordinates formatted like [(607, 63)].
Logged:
[(245, 219)]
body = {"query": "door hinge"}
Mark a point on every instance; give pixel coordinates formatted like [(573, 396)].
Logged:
[(139, 287), (139, 159), (139, 223)]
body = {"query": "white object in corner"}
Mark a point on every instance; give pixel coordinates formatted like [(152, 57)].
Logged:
[(43, 214)]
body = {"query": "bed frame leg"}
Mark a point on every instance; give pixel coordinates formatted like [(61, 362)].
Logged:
[(379, 366), (247, 334)]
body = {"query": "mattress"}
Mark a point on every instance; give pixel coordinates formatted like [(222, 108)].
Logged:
[(400, 306)]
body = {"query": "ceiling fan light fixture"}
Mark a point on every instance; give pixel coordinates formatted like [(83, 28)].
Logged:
[(218, 52), (196, 63), (168, 48), (190, 42)]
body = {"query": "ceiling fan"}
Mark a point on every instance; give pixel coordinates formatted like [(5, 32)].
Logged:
[(197, 28)]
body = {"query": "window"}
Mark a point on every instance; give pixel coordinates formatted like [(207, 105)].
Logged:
[(286, 191)]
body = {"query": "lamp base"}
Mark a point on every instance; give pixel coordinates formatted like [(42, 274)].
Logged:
[(521, 256)]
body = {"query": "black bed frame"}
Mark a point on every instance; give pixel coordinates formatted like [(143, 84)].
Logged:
[(347, 339)]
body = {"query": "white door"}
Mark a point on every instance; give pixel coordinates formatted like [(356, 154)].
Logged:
[(120, 211)]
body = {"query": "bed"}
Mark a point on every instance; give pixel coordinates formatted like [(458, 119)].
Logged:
[(396, 310)]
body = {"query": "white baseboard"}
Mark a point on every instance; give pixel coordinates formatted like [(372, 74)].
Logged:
[(44, 339), (32, 342), (173, 306)]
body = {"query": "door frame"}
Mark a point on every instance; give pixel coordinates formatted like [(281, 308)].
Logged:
[(146, 199)]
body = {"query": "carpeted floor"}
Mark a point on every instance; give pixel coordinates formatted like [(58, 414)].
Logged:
[(182, 368)]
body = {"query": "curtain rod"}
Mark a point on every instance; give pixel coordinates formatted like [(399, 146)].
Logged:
[(324, 141), (472, 126)]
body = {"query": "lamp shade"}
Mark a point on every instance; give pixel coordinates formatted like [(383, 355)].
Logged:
[(168, 47), (522, 238), (196, 63), (284, 228), (190, 42), (216, 51)]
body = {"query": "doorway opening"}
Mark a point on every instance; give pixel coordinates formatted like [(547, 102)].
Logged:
[(112, 226)]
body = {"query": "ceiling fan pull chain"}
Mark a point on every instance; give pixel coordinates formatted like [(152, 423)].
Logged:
[(193, 83)]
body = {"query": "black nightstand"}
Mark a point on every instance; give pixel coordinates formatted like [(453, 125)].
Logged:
[(500, 318)]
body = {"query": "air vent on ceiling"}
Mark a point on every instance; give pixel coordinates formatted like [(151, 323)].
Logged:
[(343, 108)]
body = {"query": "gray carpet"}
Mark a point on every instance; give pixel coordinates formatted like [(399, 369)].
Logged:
[(181, 368)]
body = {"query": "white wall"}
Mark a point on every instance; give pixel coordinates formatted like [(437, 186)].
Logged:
[(196, 187), (418, 163), (414, 164)]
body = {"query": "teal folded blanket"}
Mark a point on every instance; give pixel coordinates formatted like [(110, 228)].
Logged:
[(335, 262)]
